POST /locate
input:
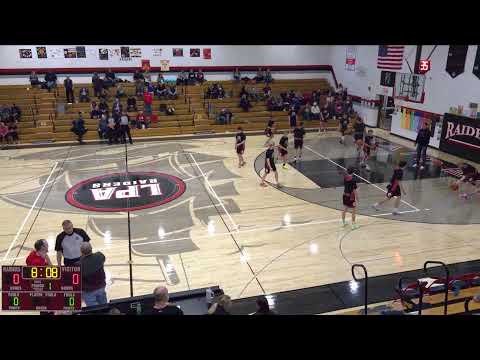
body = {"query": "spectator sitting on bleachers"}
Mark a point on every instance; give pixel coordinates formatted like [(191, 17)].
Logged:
[(16, 112), (139, 87), (147, 102), (172, 92), (170, 110), (12, 135), (199, 76), (151, 87), (236, 75), (225, 117), (78, 127), (39, 255), (94, 111), (110, 79), (120, 91), (191, 77), (104, 94), (245, 103), (267, 91), (102, 127), (141, 121), (338, 108), (50, 80), (221, 307), (97, 85), (137, 75), (103, 106), (160, 79), (268, 76), (113, 128), (325, 112), (83, 95), (182, 78), (162, 91), (307, 112), (252, 92), (131, 104), (117, 108), (315, 111), (5, 113), (221, 92), (260, 76), (3, 132), (34, 79), (161, 305), (243, 91), (209, 92)]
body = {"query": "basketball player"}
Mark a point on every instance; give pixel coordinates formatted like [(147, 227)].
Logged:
[(240, 146), (270, 164), (324, 116), (358, 134), (470, 176), (369, 145), (269, 130), (350, 196), (283, 149), (343, 127), (395, 188), (298, 135)]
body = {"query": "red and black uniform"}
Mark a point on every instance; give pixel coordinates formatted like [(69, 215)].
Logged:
[(471, 174), (283, 142), (269, 159), (368, 144), (350, 185), (269, 129), (240, 137), (394, 186), (298, 134)]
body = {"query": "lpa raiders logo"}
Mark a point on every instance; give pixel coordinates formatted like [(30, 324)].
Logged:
[(125, 191)]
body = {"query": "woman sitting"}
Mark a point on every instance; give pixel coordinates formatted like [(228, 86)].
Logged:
[(162, 91), (267, 91), (244, 103), (172, 92), (315, 111), (94, 111), (199, 76), (141, 121), (34, 79), (182, 78), (120, 91), (260, 76), (131, 104), (160, 79), (83, 94), (103, 106)]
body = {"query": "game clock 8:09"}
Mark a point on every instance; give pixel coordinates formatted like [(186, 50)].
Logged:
[(41, 272)]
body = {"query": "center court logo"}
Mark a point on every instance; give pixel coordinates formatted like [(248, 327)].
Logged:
[(125, 191)]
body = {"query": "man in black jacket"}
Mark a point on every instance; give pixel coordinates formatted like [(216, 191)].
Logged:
[(93, 276), (51, 80), (422, 141), (68, 84)]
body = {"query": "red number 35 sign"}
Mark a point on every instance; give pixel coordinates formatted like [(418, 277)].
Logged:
[(424, 66)]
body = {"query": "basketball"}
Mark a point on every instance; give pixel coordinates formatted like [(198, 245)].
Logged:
[(454, 186)]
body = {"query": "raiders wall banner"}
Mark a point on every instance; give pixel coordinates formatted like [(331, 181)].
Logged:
[(461, 137)]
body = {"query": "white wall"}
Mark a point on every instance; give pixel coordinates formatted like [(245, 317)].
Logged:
[(441, 91)]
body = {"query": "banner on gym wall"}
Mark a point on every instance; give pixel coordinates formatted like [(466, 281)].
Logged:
[(461, 137)]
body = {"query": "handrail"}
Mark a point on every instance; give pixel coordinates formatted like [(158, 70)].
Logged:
[(189, 104), (420, 289), (50, 117), (35, 102), (447, 281), (467, 304), (193, 119), (366, 284)]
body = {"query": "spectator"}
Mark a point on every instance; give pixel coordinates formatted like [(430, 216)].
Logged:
[(34, 79), (12, 135), (307, 112), (172, 92), (162, 91), (315, 111), (253, 94), (236, 75), (268, 76), (182, 78), (141, 121), (348, 105), (78, 127), (50, 80), (150, 87), (147, 102), (138, 76), (84, 95), (221, 120), (262, 307), (221, 92), (170, 110), (293, 118), (131, 104), (225, 117), (39, 256), (260, 76), (103, 106), (110, 79), (68, 243), (191, 77), (16, 113), (221, 307), (160, 79), (3, 132), (139, 87), (102, 128), (97, 85), (325, 113), (113, 130), (161, 305), (199, 76), (117, 108), (125, 128), (244, 103), (68, 84), (147, 76), (94, 111), (267, 91), (120, 91), (93, 276)]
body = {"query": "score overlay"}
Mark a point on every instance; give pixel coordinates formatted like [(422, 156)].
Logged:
[(41, 288)]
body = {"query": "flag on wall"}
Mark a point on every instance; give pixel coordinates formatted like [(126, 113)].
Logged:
[(25, 53), (457, 55), (476, 64), (390, 57)]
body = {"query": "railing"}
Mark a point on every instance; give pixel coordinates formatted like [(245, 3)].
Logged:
[(420, 289), (189, 104), (52, 120), (447, 280), (34, 118), (36, 104), (366, 284)]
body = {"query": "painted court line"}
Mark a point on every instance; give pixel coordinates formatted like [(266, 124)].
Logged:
[(368, 182), (30, 212)]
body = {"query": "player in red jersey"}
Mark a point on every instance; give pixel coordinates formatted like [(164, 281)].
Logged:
[(395, 188), (350, 196), (240, 140), (39, 256), (369, 145)]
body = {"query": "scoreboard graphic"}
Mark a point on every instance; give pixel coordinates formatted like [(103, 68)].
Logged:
[(41, 288)]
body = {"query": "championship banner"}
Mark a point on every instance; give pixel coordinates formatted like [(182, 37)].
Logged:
[(165, 65), (461, 137), (350, 59), (146, 65), (457, 56)]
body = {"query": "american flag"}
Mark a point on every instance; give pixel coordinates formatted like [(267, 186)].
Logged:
[(390, 57)]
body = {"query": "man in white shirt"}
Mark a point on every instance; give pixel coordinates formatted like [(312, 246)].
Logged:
[(68, 244)]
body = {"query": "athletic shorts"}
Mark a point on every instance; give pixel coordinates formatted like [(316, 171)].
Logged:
[(282, 152), (272, 164), (349, 200), (298, 144), (395, 192), (240, 149)]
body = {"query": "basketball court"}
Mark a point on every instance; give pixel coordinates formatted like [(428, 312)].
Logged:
[(197, 220)]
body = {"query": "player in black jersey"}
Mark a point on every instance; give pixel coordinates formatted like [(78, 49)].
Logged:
[(270, 164), (470, 176), (395, 188), (350, 196), (240, 140), (283, 149), (358, 134), (269, 131), (369, 145), (298, 135), (343, 127)]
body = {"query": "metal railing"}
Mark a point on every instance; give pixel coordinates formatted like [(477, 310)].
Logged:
[(366, 284), (36, 103), (447, 280), (34, 118), (420, 290)]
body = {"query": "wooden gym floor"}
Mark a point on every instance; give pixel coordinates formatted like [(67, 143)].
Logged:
[(225, 229)]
